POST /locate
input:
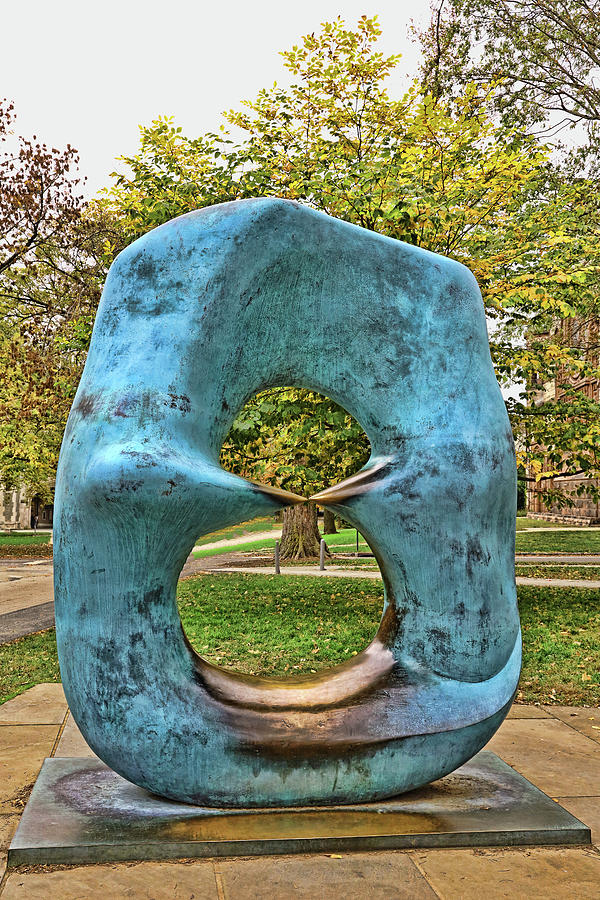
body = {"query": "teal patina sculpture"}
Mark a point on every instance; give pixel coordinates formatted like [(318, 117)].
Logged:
[(196, 316)]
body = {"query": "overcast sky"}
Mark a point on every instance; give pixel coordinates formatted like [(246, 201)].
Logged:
[(89, 73)]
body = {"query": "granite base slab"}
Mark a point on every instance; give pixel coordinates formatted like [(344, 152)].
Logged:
[(81, 811)]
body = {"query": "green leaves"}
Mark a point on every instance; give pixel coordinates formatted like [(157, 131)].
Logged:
[(297, 439), (432, 167), (171, 175)]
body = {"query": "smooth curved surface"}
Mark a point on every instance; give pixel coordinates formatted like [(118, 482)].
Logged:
[(195, 317)]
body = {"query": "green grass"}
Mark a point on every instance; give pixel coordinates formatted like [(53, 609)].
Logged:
[(20, 546), (266, 560), (272, 624), (591, 573), (584, 541), (24, 540), (345, 541), (28, 661), (276, 625), (561, 640), (523, 522), (267, 544), (557, 541), (340, 562), (263, 523)]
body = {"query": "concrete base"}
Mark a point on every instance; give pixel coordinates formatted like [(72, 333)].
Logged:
[(82, 811)]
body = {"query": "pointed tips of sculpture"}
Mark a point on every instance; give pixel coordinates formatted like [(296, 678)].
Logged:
[(286, 498), (357, 484), (331, 496), (351, 487)]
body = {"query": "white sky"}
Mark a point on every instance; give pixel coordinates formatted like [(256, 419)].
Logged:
[(89, 73)]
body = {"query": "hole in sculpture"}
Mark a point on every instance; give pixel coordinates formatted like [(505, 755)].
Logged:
[(303, 442)]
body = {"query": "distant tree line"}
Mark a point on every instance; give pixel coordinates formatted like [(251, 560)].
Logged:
[(471, 162)]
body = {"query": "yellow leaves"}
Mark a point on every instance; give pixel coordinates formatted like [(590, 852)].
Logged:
[(522, 458), (559, 239), (537, 470)]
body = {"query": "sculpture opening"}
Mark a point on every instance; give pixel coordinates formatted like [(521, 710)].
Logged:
[(301, 441)]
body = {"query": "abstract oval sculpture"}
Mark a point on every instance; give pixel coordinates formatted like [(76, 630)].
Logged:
[(196, 316)]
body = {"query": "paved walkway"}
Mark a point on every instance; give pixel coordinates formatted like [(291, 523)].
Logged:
[(21, 622), (26, 598), (573, 559), (555, 747), (585, 528), (24, 583), (559, 582)]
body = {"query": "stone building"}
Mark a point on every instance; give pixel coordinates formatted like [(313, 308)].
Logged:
[(17, 510)]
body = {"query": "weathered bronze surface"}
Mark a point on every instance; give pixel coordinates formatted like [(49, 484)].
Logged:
[(195, 317), (81, 811)]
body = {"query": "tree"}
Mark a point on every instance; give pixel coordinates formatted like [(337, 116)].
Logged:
[(169, 176), (37, 194), (545, 57), (51, 269), (432, 167), (447, 179), (48, 313), (442, 175), (545, 53), (301, 441), (557, 429)]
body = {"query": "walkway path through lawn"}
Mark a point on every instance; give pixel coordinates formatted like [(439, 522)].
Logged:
[(273, 534), (332, 571)]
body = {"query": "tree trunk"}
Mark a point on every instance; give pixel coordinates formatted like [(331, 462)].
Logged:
[(300, 537), (328, 522)]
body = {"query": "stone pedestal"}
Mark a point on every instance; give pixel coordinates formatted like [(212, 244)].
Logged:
[(81, 811)]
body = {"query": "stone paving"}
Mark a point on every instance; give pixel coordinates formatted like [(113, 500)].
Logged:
[(555, 747)]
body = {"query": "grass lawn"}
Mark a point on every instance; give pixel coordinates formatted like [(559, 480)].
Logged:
[(591, 573), (561, 643), (523, 522), (583, 541), (340, 562), (28, 661), (246, 547), (21, 546), (272, 624), (345, 541), (263, 523), (267, 624)]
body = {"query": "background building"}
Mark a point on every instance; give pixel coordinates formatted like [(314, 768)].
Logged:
[(17, 510)]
